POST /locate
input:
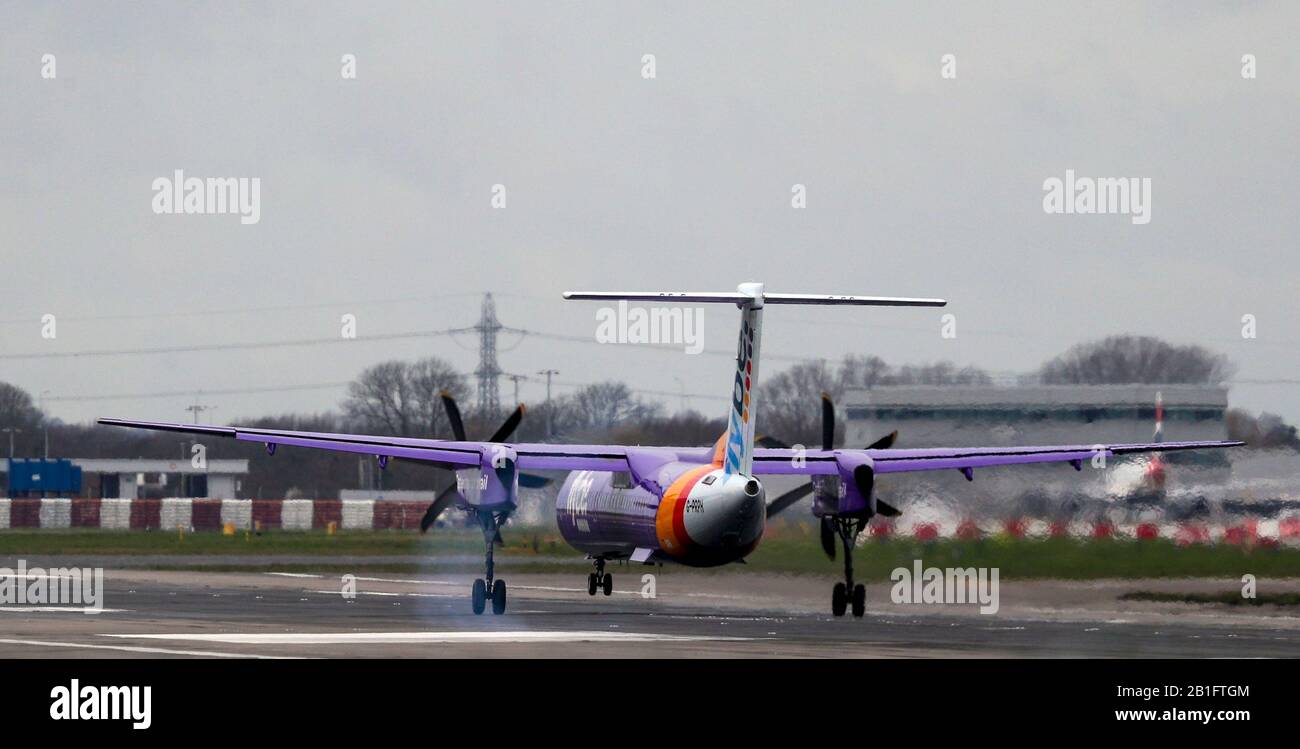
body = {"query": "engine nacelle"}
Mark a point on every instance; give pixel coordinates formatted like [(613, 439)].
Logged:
[(494, 485), (850, 490)]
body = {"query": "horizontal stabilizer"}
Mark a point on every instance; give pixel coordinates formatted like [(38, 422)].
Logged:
[(733, 297)]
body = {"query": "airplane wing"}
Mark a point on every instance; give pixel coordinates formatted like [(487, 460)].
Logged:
[(810, 462), (536, 456), (451, 454), (448, 453)]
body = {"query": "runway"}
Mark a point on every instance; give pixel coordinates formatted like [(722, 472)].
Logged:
[(169, 614)]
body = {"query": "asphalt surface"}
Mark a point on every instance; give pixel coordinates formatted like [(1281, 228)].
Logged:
[(168, 614)]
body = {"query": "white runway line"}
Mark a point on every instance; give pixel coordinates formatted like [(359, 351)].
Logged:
[(400, 638), (401, 581), (139, 649), (391, 595)]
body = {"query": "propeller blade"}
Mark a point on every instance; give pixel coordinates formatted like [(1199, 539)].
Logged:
[(445, 497), (453, 415), (887, 510), (532, 480), (771, 442), (508, 427), (864, 478), (505, 471), (828, 537), (884, 443), (828, 422), (787, 499)]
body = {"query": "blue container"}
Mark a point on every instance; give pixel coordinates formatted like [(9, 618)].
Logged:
[(37, 475)]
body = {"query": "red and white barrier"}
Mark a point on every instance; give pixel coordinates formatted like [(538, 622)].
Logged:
[(368, 514), (208, 514)]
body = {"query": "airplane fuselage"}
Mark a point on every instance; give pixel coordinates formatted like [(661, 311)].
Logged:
[(702, 517)]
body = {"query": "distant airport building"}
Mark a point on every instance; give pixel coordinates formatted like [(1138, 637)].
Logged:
[(995, 415), (128, 478), (963, 415)]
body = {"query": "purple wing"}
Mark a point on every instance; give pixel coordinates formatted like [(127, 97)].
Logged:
[(433, 451), (786, 461), (536, 456), (445, 452)]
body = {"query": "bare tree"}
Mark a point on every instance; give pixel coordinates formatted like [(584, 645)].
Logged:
[(939, 373), (429, 378), (789, 403), (599, 407), (1125, 359), (857, 371), (402, 398), (17, 410)]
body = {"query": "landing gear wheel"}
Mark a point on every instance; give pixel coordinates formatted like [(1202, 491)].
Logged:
[(499, 597), (592, 584), (839, 600), (607, 585), (479, 596), (859, 600)]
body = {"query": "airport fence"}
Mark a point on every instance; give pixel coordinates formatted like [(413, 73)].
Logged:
[(369, 514)]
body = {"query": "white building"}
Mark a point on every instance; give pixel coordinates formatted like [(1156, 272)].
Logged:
[(962, 416), (942, 416), (122, 478)]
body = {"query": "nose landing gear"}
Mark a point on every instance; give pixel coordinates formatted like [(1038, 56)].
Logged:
[(600, 580), (848, 595)]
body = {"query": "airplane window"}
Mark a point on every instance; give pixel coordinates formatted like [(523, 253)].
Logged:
[(622, 480)]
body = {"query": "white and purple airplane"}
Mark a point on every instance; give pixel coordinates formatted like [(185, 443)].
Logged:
[(697, 506)]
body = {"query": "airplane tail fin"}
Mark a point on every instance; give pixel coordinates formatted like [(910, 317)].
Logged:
[(738, 447)]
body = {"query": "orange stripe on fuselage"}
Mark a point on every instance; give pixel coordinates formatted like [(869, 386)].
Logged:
[(670, 525)]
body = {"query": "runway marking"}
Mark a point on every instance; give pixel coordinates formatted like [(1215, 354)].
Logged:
[(385, 593), (548, 588), (724, 618), (140, 649), (399, 638), (59, 610)]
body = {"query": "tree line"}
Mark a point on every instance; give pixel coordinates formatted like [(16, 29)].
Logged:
[(404, 398)]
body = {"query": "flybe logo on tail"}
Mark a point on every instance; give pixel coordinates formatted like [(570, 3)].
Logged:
[(740, 398)]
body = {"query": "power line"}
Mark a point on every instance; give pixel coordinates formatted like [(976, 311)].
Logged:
[(636, 391), (191, 392), (659, 347), (171, 314), (150, 351)]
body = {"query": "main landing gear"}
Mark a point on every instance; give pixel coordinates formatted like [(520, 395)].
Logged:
[(488, 588), (847, 594), (600, 580)]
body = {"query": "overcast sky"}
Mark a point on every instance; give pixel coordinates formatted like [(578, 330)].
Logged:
[(375, 192)]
